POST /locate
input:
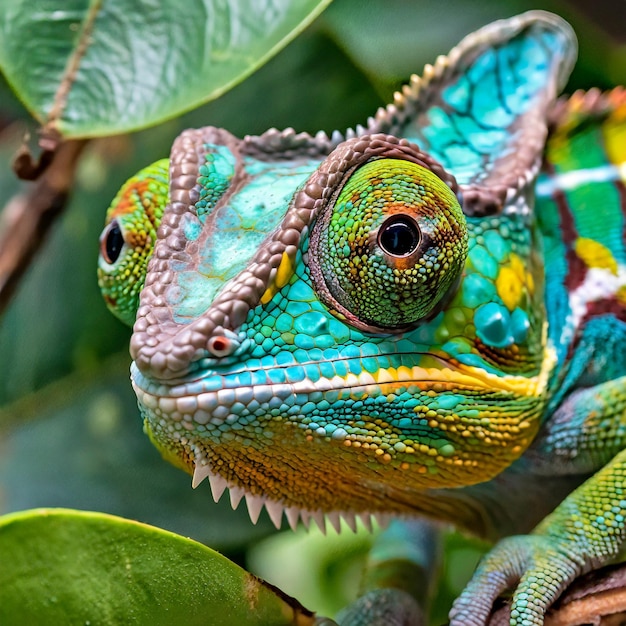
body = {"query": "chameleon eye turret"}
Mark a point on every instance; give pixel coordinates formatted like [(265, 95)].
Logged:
[(128, 238), (389, 247)]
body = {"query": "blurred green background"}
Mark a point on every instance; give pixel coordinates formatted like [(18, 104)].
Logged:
[(70, 433)]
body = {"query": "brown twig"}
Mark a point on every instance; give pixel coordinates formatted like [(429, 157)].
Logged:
[(27, 217)]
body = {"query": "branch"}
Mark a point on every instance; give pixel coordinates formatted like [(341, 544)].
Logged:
[(28, 216)]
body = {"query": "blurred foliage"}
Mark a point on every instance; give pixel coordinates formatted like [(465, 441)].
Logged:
[(70, 433)]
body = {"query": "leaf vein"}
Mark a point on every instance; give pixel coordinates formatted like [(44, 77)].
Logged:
[(71, 69)]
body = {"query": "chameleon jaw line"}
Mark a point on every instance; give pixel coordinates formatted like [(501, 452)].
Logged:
[(276, 509)]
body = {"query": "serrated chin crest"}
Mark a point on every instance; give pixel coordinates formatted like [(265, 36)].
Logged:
[(275, 510)]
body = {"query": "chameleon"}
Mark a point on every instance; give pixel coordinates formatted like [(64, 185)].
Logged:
[(419, 320)]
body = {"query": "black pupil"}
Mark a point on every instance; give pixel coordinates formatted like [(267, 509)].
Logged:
[(114, 243), (399, 236)]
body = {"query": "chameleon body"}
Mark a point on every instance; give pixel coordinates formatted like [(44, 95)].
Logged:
[(423, 317)]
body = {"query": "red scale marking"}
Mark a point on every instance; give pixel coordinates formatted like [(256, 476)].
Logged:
[(603, 307), (577, 269)]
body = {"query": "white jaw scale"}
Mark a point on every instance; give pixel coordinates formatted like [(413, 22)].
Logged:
[(275, 509)]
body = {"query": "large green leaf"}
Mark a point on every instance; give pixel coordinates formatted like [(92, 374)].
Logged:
[(61, 566), (99, 67)]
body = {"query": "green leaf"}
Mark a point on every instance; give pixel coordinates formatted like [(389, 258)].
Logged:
[(99, 67), (61, 566)]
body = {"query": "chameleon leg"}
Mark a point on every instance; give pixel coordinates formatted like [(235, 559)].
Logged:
[(398, 577), (583, 532), (586, 431)]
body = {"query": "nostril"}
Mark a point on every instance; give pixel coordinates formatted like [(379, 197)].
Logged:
[(221, 346)]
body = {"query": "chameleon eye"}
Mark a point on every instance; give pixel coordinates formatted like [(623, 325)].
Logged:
[(127, 241), (111, 242), (389, 246), (399, 236)]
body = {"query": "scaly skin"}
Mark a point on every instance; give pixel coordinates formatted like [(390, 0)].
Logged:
[(390, 323)]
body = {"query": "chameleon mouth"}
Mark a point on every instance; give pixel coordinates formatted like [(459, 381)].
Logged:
[(275, 510), (207, 427), (209, 398)]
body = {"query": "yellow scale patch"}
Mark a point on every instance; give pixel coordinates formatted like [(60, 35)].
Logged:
[(594, 254), (466, 376), (513, 281), (284, 272)]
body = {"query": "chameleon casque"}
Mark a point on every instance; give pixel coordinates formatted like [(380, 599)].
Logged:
[(422, 318)]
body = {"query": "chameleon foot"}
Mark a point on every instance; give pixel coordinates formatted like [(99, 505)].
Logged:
[(540, 566)]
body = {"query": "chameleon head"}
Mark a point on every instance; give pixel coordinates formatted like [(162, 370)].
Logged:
[(347, 324), (333, 362)]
